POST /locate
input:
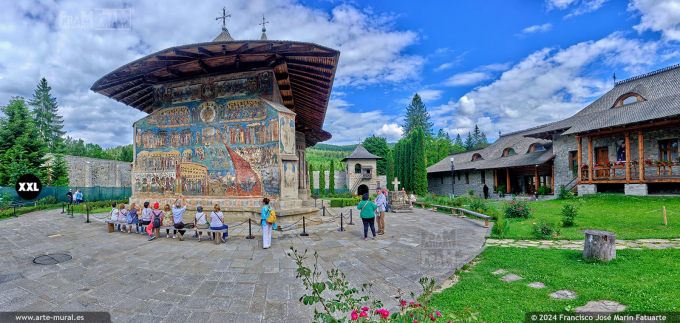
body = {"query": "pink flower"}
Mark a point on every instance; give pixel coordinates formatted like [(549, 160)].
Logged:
[(365, 308), (385, 314), (432, 318), (415, 321), (355, 315), (402, 303), (363, 314), (439, 314)]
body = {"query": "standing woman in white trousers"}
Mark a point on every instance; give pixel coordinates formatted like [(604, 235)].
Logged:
[(266, 227)]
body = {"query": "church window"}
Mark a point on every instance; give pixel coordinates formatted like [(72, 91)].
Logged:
[(508, 152), (357, 169), (628, 98), (476, 157)]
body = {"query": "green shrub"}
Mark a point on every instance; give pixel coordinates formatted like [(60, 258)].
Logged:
[(500, 189), (5, 200), (48, 200), (517, 209), (569, 213), (501, 227), (478, 205), (343, 202), (564, 194), (545, 230), (544, 190), (471, 192)]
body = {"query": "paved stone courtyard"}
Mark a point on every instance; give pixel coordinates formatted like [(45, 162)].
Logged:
[(171, 281)]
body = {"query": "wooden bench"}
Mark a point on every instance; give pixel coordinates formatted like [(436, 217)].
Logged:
[(217, 238), (111, 225), (421, 204), (444, 207), (484, 217)]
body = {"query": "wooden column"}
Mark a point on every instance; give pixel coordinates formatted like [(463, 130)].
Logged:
[(590, 159), (627, 141), (507, 180), (641, 156), (552, 176), (537, 181), (579, 157)]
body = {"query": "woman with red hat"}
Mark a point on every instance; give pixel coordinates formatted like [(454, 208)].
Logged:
[(154, 228)]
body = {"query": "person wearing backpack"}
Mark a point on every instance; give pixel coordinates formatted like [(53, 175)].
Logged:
[(154, 229), (217, 222), (268, 222)]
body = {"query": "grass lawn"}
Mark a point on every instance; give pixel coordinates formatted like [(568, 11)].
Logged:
[(630, 217), (643, 280)]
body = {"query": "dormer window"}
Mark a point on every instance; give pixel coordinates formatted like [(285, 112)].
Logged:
[(508, 152), (628, 98), (477, 157), (535, 147)]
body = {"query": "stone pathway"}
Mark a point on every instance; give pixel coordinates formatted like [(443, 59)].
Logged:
[(601, 306), (171, 281), (578, 244)]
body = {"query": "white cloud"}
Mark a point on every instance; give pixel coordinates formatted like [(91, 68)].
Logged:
[(579, 7), (537, 28), (467, 105), (548, 85), (559, 4), (430, 95), (391, 132), (350, 127), (467, 78), (42, 39), (658, 15)]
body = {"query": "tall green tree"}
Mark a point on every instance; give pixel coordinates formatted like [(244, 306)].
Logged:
[(322, 180), (331, 178), (48, 122), (419, 180), (390, 170), (458, 141), (58, 171), (378, 146), (310, 169), (417, 116), (469, 142), (21, 151)]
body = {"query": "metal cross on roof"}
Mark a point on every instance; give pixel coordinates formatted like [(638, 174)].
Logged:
[(264, 24), (224, 18)]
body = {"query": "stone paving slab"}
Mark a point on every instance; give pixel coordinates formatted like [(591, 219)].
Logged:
[(578, 244), (171, 281)]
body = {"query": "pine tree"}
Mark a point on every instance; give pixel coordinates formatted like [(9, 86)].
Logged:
[(59, 171), (419, 180), (482, 142), (21, 151), (469, 142), (458, 141), (331, 178), (417, 116), (48, 122), (310, 169), (322, 180), (378, 146)]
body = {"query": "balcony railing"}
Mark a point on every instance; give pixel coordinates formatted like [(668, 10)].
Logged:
[(657, 171)]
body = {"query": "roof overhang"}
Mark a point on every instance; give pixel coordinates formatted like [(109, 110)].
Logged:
[(304, 73)]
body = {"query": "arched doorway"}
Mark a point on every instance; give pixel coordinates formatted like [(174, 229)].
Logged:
[(362, 189)]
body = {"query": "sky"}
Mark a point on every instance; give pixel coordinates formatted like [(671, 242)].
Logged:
[(504, 65)]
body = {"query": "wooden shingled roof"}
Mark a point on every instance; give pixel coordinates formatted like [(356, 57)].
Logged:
[(304, 73)]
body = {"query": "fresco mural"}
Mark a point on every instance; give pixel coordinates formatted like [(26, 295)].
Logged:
[(214, 137)]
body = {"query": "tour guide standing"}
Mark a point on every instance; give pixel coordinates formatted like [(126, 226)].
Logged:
[(381, 202), (267, 223), (367, 214)]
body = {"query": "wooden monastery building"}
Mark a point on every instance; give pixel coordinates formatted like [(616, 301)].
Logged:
[(625, 141)]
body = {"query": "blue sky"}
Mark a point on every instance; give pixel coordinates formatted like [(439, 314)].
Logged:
[(505, 65)]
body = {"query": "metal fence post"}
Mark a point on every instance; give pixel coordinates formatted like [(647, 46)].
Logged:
[(250, 230), (15, 210), (350, 217), (304, 228), (62, 207), (87, 210), (342, 228)]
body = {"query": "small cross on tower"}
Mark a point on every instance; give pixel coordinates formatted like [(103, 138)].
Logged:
[(224, 18), (396, 183), (264, 24)]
